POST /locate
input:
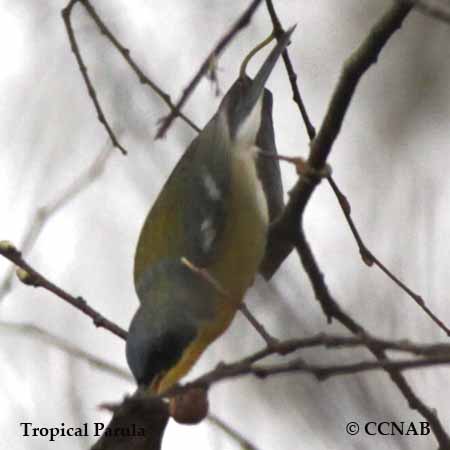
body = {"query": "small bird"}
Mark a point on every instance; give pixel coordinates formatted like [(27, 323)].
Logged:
[(205, 237)]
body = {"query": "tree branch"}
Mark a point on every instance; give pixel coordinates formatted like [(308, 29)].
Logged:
[(332, 310), (296, 96), (30, 276), (241, 23), (66, 15), (126, 54), (258, 326), (369, 258), (284, 230), (429, 356)]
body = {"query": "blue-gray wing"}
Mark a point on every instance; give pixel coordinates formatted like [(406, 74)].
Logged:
[(189, 215), (269, 173)]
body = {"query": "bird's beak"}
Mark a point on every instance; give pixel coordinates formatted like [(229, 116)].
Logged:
[(263, 73)]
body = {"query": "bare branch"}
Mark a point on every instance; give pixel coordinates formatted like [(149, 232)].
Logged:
[(243, 442), (322, 372), (328, 304), (66, 15), (142, 77), (241, 23), (247, 365), (333, 310), (258, 326), (369, 258), (296, 96), (284, 230), (30, 276)]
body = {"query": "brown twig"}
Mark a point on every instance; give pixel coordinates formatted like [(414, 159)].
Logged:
[(284, 230), (281, 347), (242, 441), (247, 366), (296, 96), (336, 341), (66, 15), (369, 258), (322, 372), (258, 326), (432, 354), (142, 77), (30, 276), (241, 23), (333, 310), (330, 307)]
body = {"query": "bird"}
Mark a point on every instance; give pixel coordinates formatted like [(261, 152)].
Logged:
[(204, 238)]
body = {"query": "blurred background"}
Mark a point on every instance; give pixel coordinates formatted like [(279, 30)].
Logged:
[(390, 159)]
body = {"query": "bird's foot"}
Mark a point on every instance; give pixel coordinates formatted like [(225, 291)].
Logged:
[(302, 167)]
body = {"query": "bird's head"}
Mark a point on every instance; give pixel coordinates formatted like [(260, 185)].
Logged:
[(175, 301)]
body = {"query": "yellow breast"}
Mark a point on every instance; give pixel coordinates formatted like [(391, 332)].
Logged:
[(243, 247)]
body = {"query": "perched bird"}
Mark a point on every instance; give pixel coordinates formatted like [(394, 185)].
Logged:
[(205, 237)]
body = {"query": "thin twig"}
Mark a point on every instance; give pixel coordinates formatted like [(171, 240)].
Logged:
[(329, 306), (30, 276), (241, 23), (247, 367), (432, 354), (322, 372), (284, 230), (243, 442), (66, 15), (126, 54), (205, 275), (44, 213), (369, 258), (296, 96), (258, 326), (332, 310), (328, 341)]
